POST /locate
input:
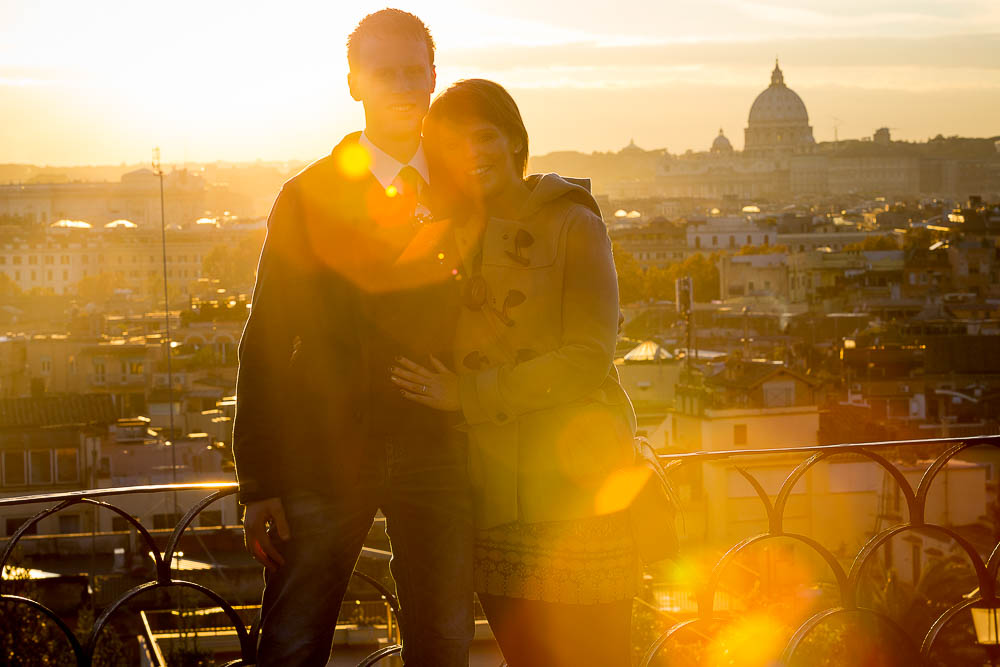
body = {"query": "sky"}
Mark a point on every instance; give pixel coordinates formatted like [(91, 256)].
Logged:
[(102, 82)]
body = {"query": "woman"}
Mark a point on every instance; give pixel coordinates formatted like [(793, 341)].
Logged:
[(548, 423)]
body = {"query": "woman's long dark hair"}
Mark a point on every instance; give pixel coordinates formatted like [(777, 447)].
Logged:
[(469, 98)]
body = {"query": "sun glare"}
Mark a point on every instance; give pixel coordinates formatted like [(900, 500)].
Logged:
[(354, 161), (620, 489)]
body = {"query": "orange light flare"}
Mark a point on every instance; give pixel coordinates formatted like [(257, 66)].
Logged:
[(753, 640), (353, 161), (390, 252), (771, 588)]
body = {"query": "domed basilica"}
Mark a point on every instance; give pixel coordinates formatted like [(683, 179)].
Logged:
[(779, 122), (777, 131)]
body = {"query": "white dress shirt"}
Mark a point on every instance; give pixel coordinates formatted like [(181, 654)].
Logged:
[(385, 168)]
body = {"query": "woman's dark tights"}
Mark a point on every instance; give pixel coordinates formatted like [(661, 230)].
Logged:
[(550, 634)]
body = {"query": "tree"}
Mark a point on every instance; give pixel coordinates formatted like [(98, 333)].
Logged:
[(26, 631), (918, 239), (97, 288), (8, 288), (233, 266), (704, 274), (884, 242), (631, 281), (763, 250), (660, 283)]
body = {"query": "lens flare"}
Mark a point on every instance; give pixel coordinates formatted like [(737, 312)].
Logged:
[(353, 161), (756, 640), (620, 489)]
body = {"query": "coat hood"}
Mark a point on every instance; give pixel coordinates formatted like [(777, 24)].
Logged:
[(546, 188)]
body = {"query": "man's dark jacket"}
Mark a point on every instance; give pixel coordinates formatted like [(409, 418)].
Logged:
[(333, 304)]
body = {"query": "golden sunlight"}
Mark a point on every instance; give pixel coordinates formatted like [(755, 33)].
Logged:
[(620, 489), (354, 161)]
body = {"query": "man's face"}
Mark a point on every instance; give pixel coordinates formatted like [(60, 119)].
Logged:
[(394, 80)]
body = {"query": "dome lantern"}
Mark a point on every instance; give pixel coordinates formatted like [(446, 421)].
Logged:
[(777, 78)]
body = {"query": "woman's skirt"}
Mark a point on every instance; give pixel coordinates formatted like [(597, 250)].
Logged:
[(582, 561)]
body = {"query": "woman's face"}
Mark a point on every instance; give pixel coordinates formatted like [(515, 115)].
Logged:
[(477, 156)]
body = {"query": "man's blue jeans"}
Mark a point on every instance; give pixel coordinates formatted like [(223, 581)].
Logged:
[(424, 494)]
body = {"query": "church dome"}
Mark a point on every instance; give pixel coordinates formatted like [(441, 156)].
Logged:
[(721, 144), (778, 103), (779, 123)]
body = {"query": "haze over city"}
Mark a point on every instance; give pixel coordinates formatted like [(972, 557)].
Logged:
[(103, 82)]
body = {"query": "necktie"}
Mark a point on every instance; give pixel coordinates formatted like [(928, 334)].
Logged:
[(409, 182)]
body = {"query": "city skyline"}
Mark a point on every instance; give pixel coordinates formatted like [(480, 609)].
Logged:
[(213, 83)]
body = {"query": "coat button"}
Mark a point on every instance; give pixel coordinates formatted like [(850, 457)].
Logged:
[(501, 416), (358, 415)]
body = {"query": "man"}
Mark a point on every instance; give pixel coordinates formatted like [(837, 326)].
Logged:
[(348, 281)]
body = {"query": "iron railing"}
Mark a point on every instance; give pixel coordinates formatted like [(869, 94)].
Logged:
[(847, 581), (705, 623), (84, 649)]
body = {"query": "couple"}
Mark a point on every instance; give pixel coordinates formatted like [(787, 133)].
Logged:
[(432, 336)]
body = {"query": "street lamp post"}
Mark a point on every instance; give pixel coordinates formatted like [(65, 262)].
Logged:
[(985, 619), (166, 319)]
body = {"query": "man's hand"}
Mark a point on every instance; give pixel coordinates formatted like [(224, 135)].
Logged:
[(437, 389), (261, 515)]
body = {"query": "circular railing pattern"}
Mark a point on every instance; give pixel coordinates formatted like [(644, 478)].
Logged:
[(847, 582), (84, 650)]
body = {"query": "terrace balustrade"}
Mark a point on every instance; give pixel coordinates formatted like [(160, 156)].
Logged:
[(705, 623)]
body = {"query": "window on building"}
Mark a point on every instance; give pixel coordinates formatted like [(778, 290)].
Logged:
[(13, 469), (739, 435), (34, 275), (67, 465), (64, 259), (210, 518), (165, 521), (135, 368), (17, 259), (12, 524), (779, 394), (120, 523), (48, 275), (715, 241), (99, 370), (84, 259), (32, 260), (69, 523), (3, 259), (40, 466), (50, 259)]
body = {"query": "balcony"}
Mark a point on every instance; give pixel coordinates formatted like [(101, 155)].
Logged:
[(855, 554), (112, 380)]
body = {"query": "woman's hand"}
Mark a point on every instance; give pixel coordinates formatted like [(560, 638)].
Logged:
[(437, 389)]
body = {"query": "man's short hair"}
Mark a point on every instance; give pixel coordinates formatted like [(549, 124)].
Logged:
[(392, 23)]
